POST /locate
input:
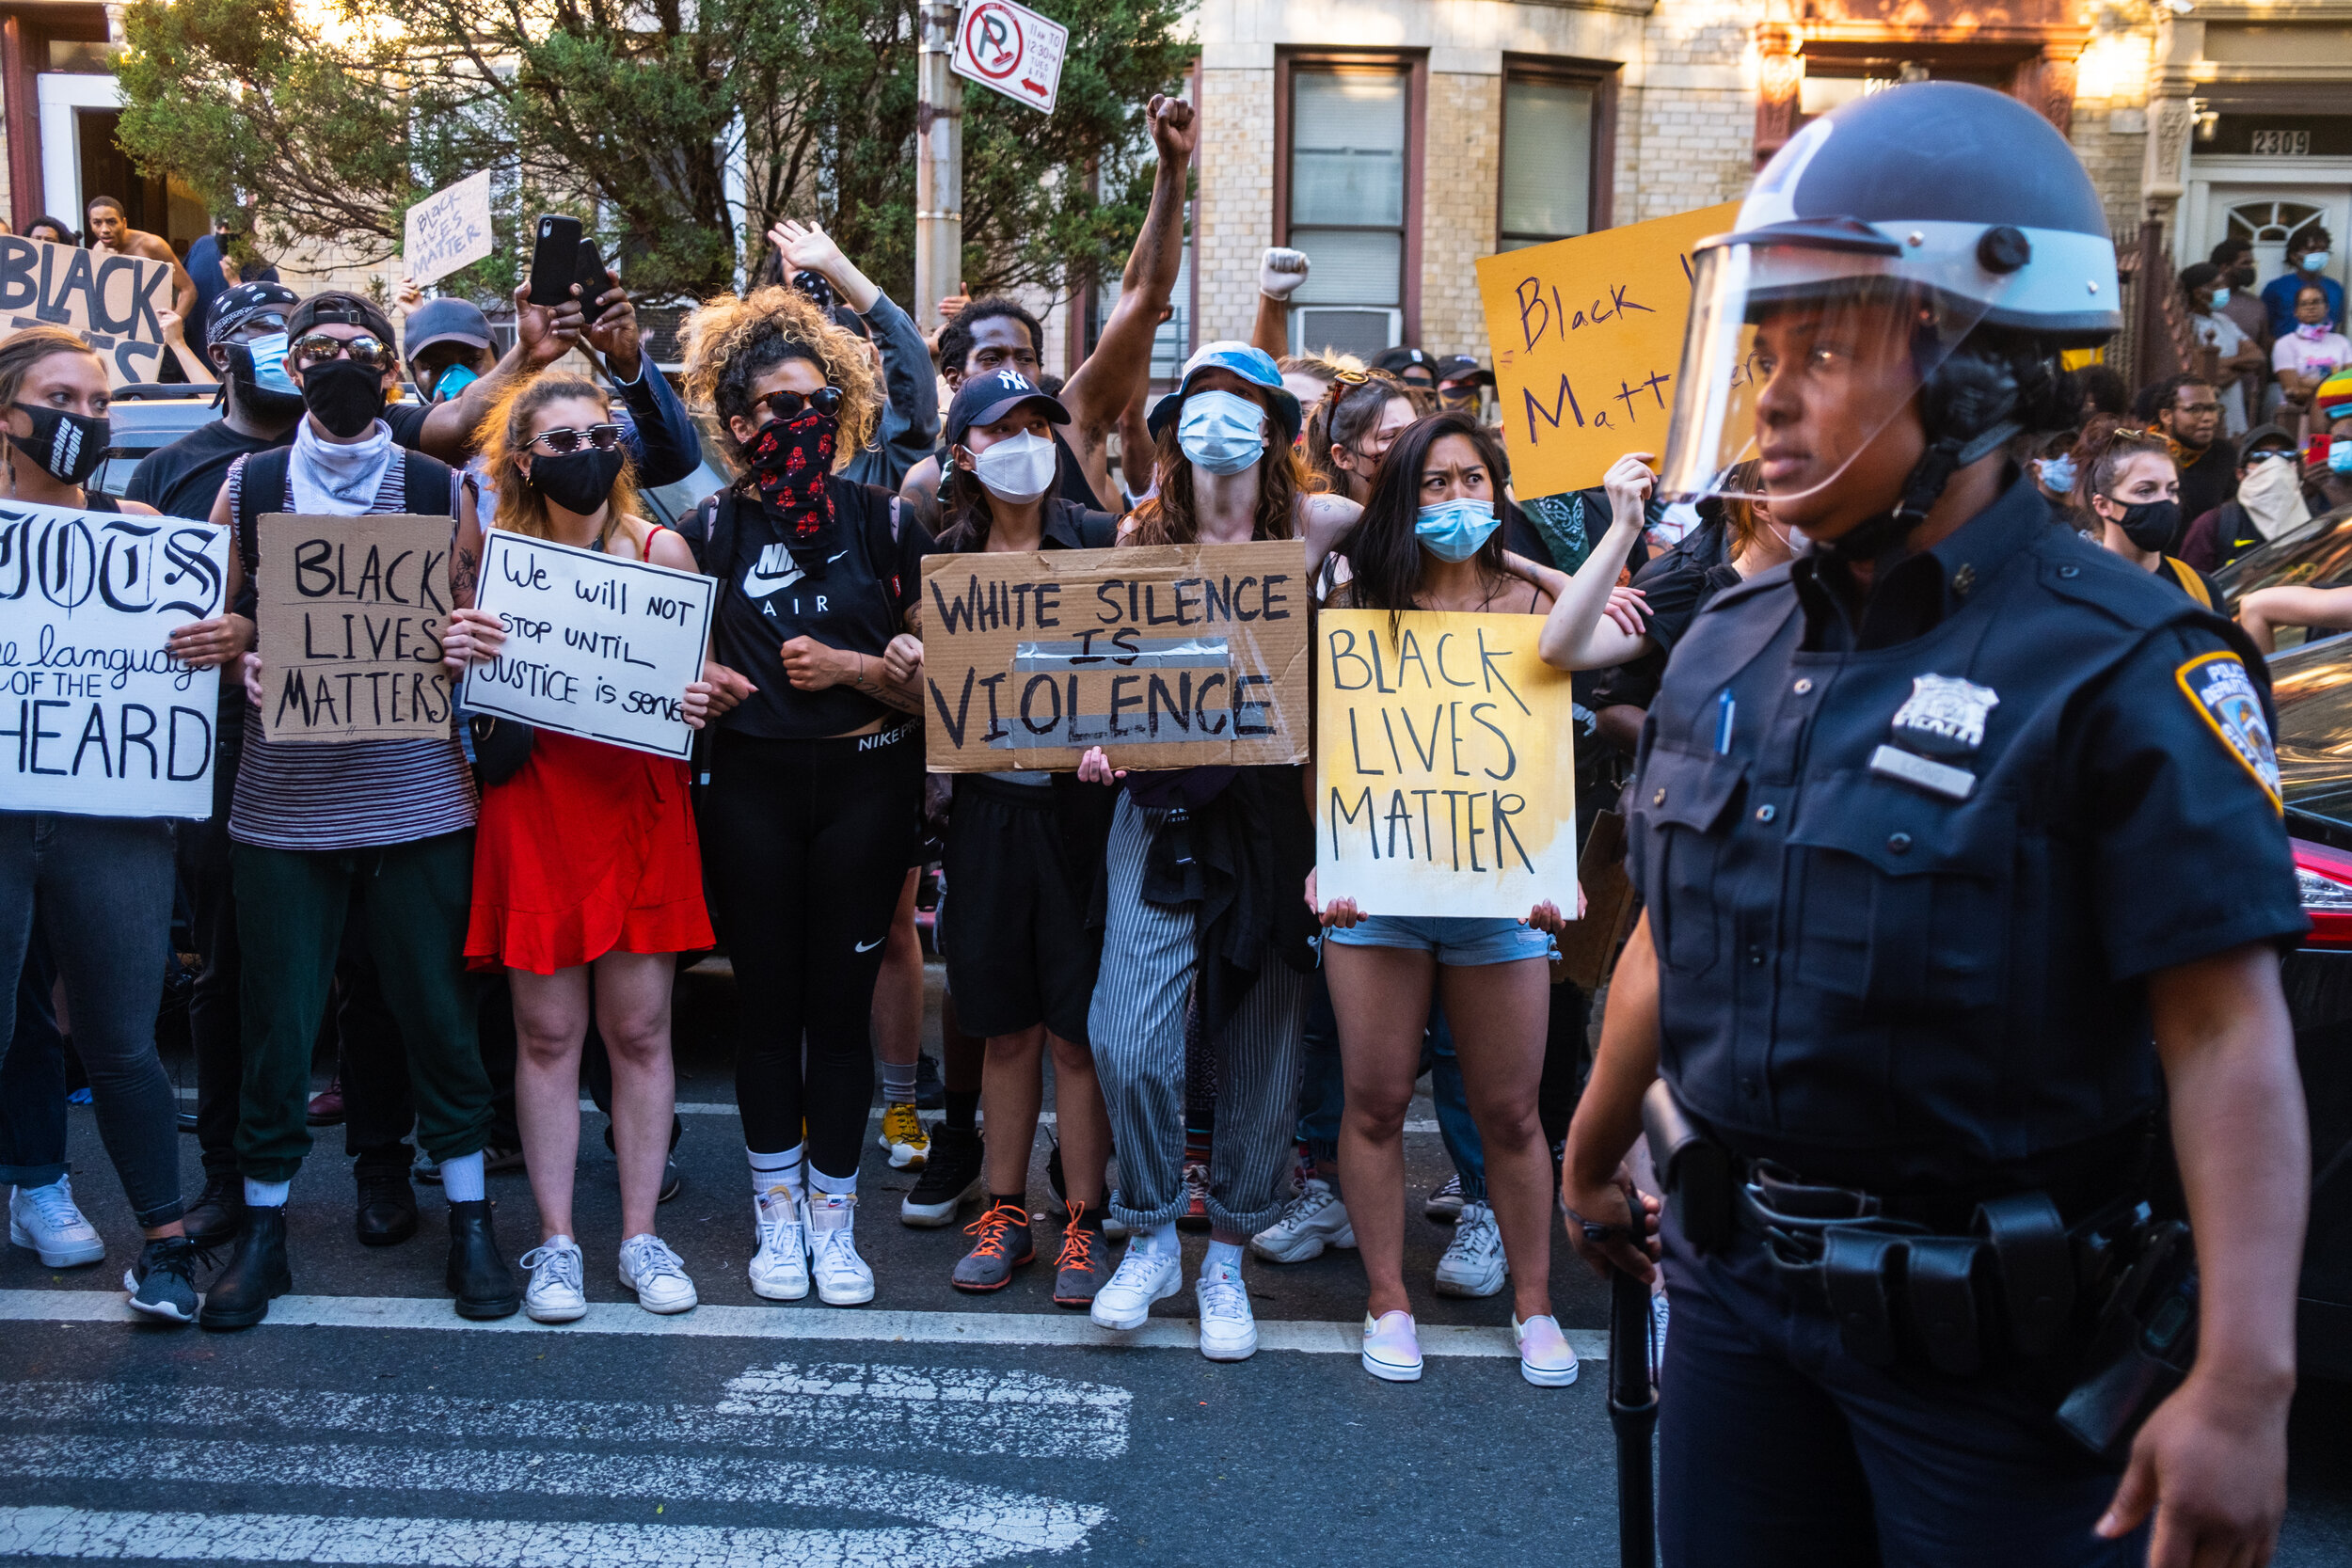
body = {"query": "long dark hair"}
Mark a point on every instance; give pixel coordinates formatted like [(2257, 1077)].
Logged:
[(965, 514), (1383, 553), (1170, 517)]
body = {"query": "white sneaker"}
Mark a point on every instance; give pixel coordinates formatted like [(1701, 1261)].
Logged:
[(780, 1266), (1140, 1279), (46, 1220), (554, 1293), (842, 1278), (657, 1275), (1227, 1332), (1546, 1359), (1391, 1350), (1315, 1219), (1473, 1264)]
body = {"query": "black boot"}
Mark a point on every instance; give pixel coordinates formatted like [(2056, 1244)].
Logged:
[(478, 1276), (255, 1275), (388, 1207), (215, 1217)]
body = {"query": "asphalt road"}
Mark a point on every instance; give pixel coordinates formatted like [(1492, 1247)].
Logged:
[(365, 1424)]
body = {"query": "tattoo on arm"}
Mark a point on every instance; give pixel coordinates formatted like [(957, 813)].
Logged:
[(465, 574)]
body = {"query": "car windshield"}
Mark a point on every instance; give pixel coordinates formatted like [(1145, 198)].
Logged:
[(2317, 555), (2312, 686)]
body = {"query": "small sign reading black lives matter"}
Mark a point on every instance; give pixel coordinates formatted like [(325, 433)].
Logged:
[(350, 615)]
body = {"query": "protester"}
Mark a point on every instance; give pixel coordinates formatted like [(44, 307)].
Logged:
[(1459, 378), (2129, 483), (52, 231), (2233, 262), (587, 872), (447, 345), (215, 267), (1226, 477), (2269, 504), (1308, 376), (313, 825), (1351, 429), (2188, 411), (111, 234), (2314, 350), (2327, 462), (1281, 271), (1408, 366), (2308, 256), (1025, 856), (2235, 355), (816, 774), (2103, 392), (2053, 471)]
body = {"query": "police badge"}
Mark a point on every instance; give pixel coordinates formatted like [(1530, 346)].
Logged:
[(1943, 717), (2225, 697)]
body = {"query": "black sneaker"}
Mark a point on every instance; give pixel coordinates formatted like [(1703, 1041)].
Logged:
[(162, 1279), (952, 1174), (930, 1093), (1054, 1176), (218, 1213)]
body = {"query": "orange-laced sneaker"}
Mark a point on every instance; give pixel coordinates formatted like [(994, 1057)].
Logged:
[(1081, 1269), (1001, 1243)]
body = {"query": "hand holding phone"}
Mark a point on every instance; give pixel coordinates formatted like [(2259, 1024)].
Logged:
[(554, 261), (590, 274)]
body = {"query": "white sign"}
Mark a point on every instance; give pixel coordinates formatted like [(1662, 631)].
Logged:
[(96, 719), (448, 230), (595, 646), (1013, 49)]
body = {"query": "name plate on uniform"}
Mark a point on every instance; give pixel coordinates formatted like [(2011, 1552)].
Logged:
[(1445, 777), (1178, 656)]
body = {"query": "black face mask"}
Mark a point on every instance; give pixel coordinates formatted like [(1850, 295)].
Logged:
[(66, 447), (347, 397), (2241, 277), (2151, 525), (577, 481), (263, 403)]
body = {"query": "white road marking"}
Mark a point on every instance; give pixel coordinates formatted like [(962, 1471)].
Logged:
[(801, 1322)]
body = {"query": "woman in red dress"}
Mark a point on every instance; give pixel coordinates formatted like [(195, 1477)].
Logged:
[(587, 871)]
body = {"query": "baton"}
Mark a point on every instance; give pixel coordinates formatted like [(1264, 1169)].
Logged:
[(1634, 1416)]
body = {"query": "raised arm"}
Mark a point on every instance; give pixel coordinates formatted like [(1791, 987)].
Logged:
[(1100, 389), (1281, 271), (542, 334), (1577, 635)]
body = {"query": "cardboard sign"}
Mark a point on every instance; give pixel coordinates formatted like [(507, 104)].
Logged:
[(448, 230), (1444, 779), (1013, 49), (597, 646), (350, 618), (1167, 657), (1587, 337), (96, 719), (111, 301)]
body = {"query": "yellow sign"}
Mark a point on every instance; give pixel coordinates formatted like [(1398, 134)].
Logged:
[(1587, 337), (1444, 779)]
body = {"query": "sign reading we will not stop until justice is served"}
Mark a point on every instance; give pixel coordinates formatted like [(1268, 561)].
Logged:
[(1443, 779), (597, 645), (1587, 337), (350, 615), (1179, 656)]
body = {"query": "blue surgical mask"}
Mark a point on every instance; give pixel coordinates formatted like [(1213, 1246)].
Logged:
[(2339, 455), (454, 380), (1220, 432), (1454, 531), (269, 365), (2057, 473), (2315, 260), (2220, 298)]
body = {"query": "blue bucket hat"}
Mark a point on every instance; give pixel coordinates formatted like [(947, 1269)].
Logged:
[(1253, 365)]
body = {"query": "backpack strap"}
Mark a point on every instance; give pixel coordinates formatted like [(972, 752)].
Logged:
[(260, 489), (429, 485), (2192, 584)]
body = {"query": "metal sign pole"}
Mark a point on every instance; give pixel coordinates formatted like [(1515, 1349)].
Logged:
[(938, 166)]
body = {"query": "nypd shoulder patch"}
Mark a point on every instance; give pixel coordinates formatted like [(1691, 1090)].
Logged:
[(2224, 696)]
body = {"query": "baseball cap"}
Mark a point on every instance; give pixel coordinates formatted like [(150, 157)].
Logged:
[(1253, 365), (446, 320), (2333, 401), (233, 307), (2262, 433), (1461, 367), (1400, 359), (340, 308), (985, 399)]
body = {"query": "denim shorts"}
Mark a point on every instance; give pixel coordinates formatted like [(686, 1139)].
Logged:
[(1462, 942)]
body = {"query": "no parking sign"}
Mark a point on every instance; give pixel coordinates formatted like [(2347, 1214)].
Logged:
[(1013, 49)]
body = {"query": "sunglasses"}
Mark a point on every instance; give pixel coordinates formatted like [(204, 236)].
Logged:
[(2282, 453), (564, 441), (318, 348), (788, 405)]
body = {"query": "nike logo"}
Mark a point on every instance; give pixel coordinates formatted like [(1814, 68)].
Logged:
[(870, 946), (831, 559), (773, 570)]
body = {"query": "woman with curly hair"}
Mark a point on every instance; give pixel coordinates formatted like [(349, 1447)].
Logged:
[(816, 776)]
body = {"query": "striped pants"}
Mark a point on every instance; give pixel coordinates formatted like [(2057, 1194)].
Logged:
[(1150, 955)]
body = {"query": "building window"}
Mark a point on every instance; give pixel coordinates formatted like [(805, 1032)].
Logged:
[(1350, 201), (1551, 136)]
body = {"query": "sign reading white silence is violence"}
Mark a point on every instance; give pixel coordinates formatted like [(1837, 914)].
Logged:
[(597, 646), (96, 718)]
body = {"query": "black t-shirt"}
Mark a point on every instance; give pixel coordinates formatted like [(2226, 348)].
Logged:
[(407, 422), (182, 479), (766, 599), (2206, 483), (1677, 585)]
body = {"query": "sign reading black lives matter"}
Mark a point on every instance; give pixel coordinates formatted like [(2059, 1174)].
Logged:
[(113, 302), (97, 718), (1177, 655), (350, 618), (595, 645)]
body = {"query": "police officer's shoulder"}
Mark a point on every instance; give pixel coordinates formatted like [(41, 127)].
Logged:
[(2067, 566)]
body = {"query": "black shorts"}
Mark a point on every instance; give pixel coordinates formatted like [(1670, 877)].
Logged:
[(1014, 934)]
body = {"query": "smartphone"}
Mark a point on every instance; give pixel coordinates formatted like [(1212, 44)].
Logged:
[(554, 258), (590, 274)]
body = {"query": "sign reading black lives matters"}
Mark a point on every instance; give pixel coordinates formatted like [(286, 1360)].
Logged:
[(350, 618), (114, 302), (595, 645), (1166, 657), (97, 718)]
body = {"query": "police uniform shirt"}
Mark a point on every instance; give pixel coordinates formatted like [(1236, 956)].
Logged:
[(1910, 857)]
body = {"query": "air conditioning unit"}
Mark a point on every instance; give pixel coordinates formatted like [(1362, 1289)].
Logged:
[(1362, 331)]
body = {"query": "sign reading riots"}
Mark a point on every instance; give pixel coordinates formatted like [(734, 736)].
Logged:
[(97, 718), (597, 645), (113, 302), (350, 618), (1443, 779), (1177, 655), (1587, 337)]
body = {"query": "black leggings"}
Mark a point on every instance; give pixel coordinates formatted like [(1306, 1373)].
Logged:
[(804, 848)]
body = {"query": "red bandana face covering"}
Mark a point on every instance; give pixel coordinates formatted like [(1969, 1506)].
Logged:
[(789, 461)]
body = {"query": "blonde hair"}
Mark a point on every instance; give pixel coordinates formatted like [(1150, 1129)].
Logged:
[(505, 435), (732, 340)]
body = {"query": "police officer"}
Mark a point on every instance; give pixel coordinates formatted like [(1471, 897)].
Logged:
[(1959, 841)]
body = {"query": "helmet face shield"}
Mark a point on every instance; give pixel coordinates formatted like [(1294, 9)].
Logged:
[(1799, 356)]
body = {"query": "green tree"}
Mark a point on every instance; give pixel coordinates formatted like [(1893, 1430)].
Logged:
[(630, 115)]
